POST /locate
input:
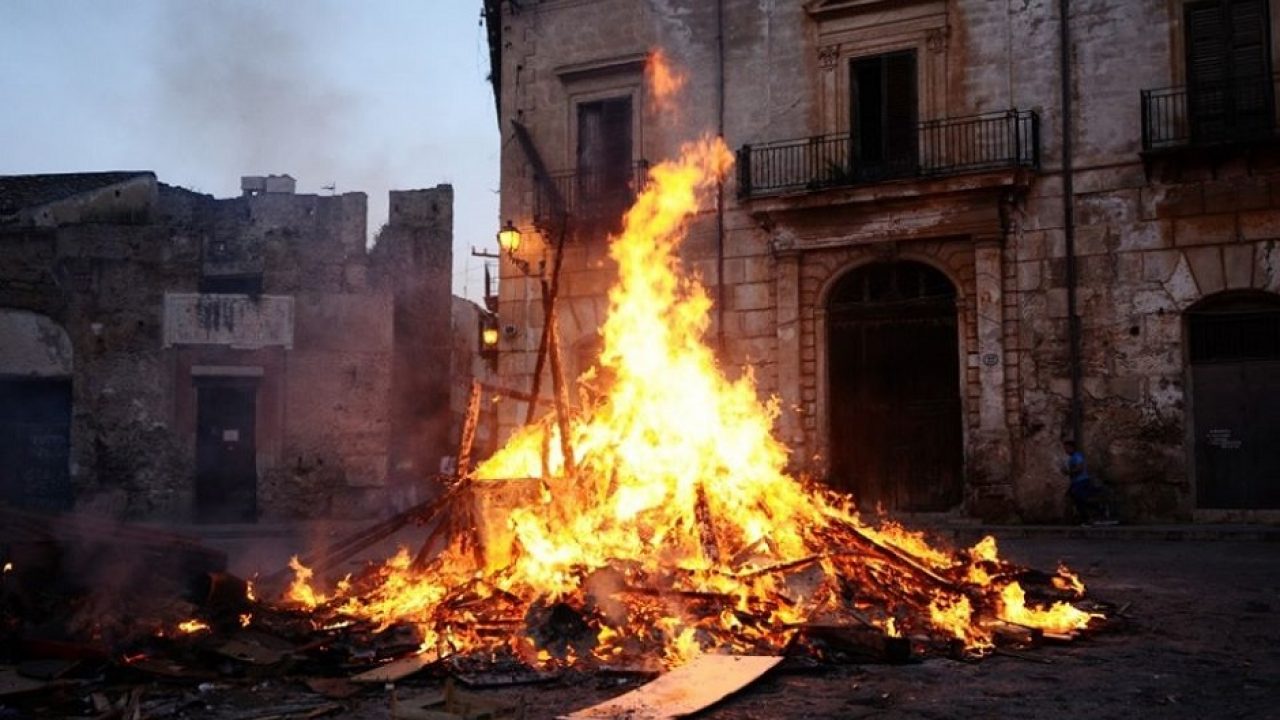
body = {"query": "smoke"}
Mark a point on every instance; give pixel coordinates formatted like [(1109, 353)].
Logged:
[(248, 88)]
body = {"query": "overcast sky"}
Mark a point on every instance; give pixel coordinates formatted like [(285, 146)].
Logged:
[(368, 95)]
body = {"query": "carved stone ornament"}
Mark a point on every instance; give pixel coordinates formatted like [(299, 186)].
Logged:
[(936, 39), (828, 56)]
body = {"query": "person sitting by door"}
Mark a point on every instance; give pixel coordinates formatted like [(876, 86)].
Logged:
[(1080, 489)]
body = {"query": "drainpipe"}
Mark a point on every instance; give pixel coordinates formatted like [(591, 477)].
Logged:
[(1068, 221), (720, 285)]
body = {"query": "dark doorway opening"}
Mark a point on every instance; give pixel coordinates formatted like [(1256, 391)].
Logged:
[(1234, 346), (884, 114), (894, 378), (226, 452), (35, 443)]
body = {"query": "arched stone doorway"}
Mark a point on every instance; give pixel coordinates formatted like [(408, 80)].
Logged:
[(35, 412), (1233, 345), (894, 387)]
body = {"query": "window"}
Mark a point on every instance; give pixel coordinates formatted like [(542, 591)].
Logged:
[(1229, 86), (884, 115), (604, 158)]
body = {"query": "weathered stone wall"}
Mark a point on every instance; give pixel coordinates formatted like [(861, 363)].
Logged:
[(1151, 238), (324, 416), (413, 261)]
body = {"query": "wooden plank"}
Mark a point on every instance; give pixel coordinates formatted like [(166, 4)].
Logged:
[(685, 690), (469, 431), (397, 669)]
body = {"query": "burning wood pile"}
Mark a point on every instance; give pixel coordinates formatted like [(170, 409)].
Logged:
[(655, 524), (659, 523)]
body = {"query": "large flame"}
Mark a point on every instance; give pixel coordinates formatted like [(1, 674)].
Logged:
[(679, 529)]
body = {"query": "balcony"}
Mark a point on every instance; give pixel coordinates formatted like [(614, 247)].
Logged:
[(593, 201), (1210, 114), (944, 147)]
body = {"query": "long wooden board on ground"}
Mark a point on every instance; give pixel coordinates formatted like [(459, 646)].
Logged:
[(397, 669), (683, 691)]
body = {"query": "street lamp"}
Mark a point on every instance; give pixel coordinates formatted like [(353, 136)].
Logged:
[(509, 238)]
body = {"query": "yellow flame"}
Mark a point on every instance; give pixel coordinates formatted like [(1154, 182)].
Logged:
[(1059, 617), (300, 591)]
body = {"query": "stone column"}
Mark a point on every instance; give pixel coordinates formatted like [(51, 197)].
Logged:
[(788, 323), (989, 306), (990, 492)]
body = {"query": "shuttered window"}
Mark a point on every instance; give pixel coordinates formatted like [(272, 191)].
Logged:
[(604, 145), (1229, 84), (884, 115)]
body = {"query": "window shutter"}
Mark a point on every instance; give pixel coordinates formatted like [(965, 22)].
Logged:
[(900, 111), (1229, 85), (1249, 53)]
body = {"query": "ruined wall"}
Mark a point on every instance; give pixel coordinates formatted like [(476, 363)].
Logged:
[(413, 262), (317, 338)]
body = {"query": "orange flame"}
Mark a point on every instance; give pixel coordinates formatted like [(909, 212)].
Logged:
[(664, 82)]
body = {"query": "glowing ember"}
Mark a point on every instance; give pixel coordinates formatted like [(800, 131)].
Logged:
[(680, 530), (192, 626)]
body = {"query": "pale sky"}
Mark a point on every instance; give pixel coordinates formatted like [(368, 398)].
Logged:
[(369, 95)]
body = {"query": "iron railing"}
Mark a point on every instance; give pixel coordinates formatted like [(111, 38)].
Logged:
[(1240, 110), (946, 146), (589, 197)]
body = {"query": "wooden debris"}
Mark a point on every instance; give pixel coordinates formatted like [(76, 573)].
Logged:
[(333, 688), (469, 431), (255, 649), (860, 642), (685, 690), (505, 678), (397, 669)]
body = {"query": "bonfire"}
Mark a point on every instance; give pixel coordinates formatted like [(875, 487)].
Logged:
[(675, 528)]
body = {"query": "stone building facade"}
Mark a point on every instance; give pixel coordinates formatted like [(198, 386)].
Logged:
[(925, 196), (168, 355)]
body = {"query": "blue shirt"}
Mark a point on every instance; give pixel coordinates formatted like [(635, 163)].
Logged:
[(1076, 469)]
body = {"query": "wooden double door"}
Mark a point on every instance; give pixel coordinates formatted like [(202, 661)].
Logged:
[(894, 388)]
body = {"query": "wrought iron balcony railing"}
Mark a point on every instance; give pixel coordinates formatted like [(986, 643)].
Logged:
[(947, 146), (591, 198), (1240, 110)]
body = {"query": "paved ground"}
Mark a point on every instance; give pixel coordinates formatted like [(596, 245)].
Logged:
[(1202, 641)]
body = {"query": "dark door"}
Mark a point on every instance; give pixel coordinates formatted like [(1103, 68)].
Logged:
[(226, 456), (884, 117), (894, 372), (1229, 85), (604, 172), (35, 443), (1235, 375)]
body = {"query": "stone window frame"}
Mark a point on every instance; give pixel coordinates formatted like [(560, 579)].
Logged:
[(843, 36), (605, 79), (1178, 40)]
